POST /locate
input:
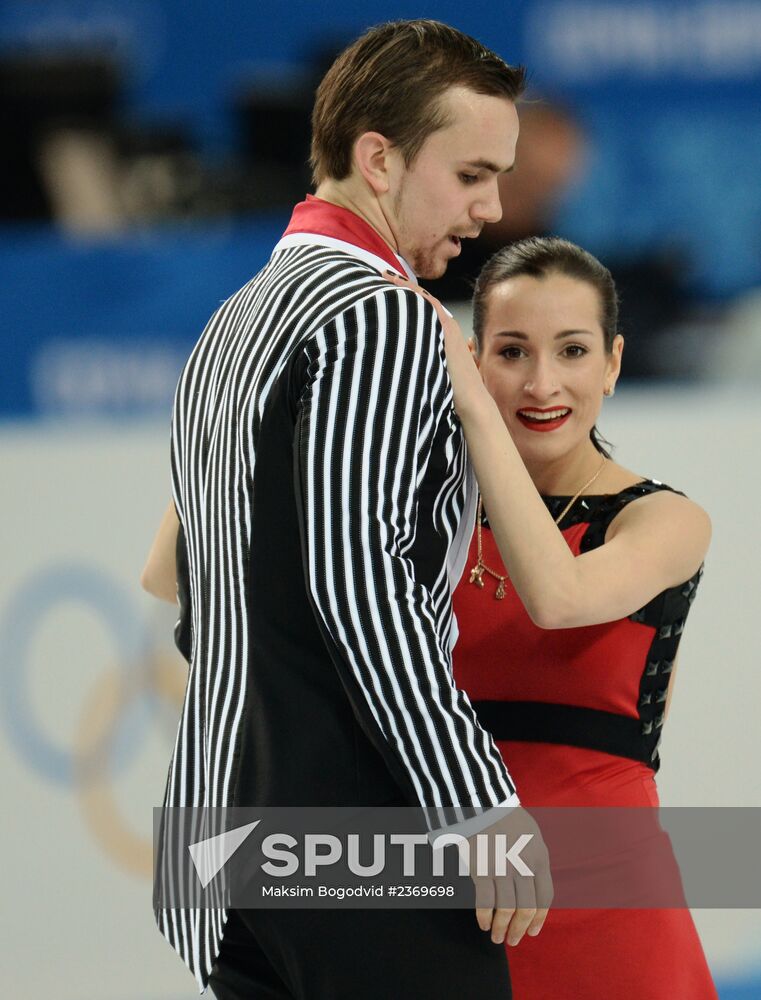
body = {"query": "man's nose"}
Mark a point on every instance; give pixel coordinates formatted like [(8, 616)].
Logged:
[(488, 208)]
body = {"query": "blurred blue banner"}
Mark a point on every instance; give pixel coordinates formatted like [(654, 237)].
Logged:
[(189, 57), (104, 327), (667, 94)]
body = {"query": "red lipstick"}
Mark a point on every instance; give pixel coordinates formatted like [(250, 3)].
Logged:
[(535, 419)]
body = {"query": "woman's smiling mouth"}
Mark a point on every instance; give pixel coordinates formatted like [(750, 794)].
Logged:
[(536, 419)]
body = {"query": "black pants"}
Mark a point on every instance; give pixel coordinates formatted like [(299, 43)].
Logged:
[(358, 955)]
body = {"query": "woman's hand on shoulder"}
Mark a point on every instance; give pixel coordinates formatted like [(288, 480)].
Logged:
[(468, 389)]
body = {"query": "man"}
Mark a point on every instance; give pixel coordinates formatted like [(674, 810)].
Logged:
[(321, 483), (551, 151)]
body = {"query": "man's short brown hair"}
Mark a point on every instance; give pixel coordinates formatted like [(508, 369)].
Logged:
[(390, 80)]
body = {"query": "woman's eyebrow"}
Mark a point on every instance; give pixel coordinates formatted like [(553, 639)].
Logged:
[(558, 336)]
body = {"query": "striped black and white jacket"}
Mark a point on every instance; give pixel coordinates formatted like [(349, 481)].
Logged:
[(326, 504)]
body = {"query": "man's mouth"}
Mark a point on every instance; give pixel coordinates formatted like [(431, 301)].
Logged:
[(457, 238), (543, 420)]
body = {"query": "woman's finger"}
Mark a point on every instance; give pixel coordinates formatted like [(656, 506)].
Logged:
[(445, 317)]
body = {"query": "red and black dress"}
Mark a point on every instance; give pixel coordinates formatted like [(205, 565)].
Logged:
[(577, 714)]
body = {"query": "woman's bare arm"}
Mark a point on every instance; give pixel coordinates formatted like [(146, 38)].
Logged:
[(159, 576), (655, 543)]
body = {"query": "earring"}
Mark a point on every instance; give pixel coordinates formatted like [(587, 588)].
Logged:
[(609, 390)]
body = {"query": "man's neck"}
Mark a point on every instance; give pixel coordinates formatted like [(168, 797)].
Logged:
[(367, 207)]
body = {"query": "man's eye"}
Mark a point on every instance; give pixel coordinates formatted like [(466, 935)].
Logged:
[(468, 178)]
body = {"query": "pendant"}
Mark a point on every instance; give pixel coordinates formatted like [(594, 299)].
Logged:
[(476, 575), (500, 589)]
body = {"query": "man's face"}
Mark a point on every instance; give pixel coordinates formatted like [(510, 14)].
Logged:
[(450, 190)]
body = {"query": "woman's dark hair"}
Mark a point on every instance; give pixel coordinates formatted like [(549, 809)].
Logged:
[(537, 257)]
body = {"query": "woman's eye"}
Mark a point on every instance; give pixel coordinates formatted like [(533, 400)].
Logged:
[(575, 351), (512, 353)]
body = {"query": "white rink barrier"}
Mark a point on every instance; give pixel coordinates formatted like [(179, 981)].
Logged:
[(91, 683)]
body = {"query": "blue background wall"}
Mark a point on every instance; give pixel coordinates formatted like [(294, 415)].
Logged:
[(669, 94)]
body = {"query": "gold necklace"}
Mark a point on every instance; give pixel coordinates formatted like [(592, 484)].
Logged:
[(477, 573)]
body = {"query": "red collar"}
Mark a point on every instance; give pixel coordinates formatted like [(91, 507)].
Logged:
[(323, 218)]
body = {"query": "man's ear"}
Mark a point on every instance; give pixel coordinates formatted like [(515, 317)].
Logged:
[(374, 158)]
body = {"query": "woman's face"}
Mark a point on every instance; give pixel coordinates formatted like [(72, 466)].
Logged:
[(543, 360)]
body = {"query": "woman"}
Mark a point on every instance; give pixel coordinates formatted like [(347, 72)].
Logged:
[(568, 638)]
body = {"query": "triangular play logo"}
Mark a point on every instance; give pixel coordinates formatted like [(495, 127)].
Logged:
[(210, 856)]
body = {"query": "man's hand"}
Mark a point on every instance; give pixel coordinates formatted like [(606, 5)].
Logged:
[(509, 901)]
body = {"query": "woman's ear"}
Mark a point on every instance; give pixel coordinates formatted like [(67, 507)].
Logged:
[(613, 368), (473, 350)]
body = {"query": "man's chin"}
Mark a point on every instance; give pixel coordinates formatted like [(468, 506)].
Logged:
[(431, 269)]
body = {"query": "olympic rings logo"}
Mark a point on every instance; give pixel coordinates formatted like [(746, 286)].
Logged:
[(117, 712)]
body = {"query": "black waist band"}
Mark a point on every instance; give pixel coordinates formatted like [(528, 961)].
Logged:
[(588, 728)]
